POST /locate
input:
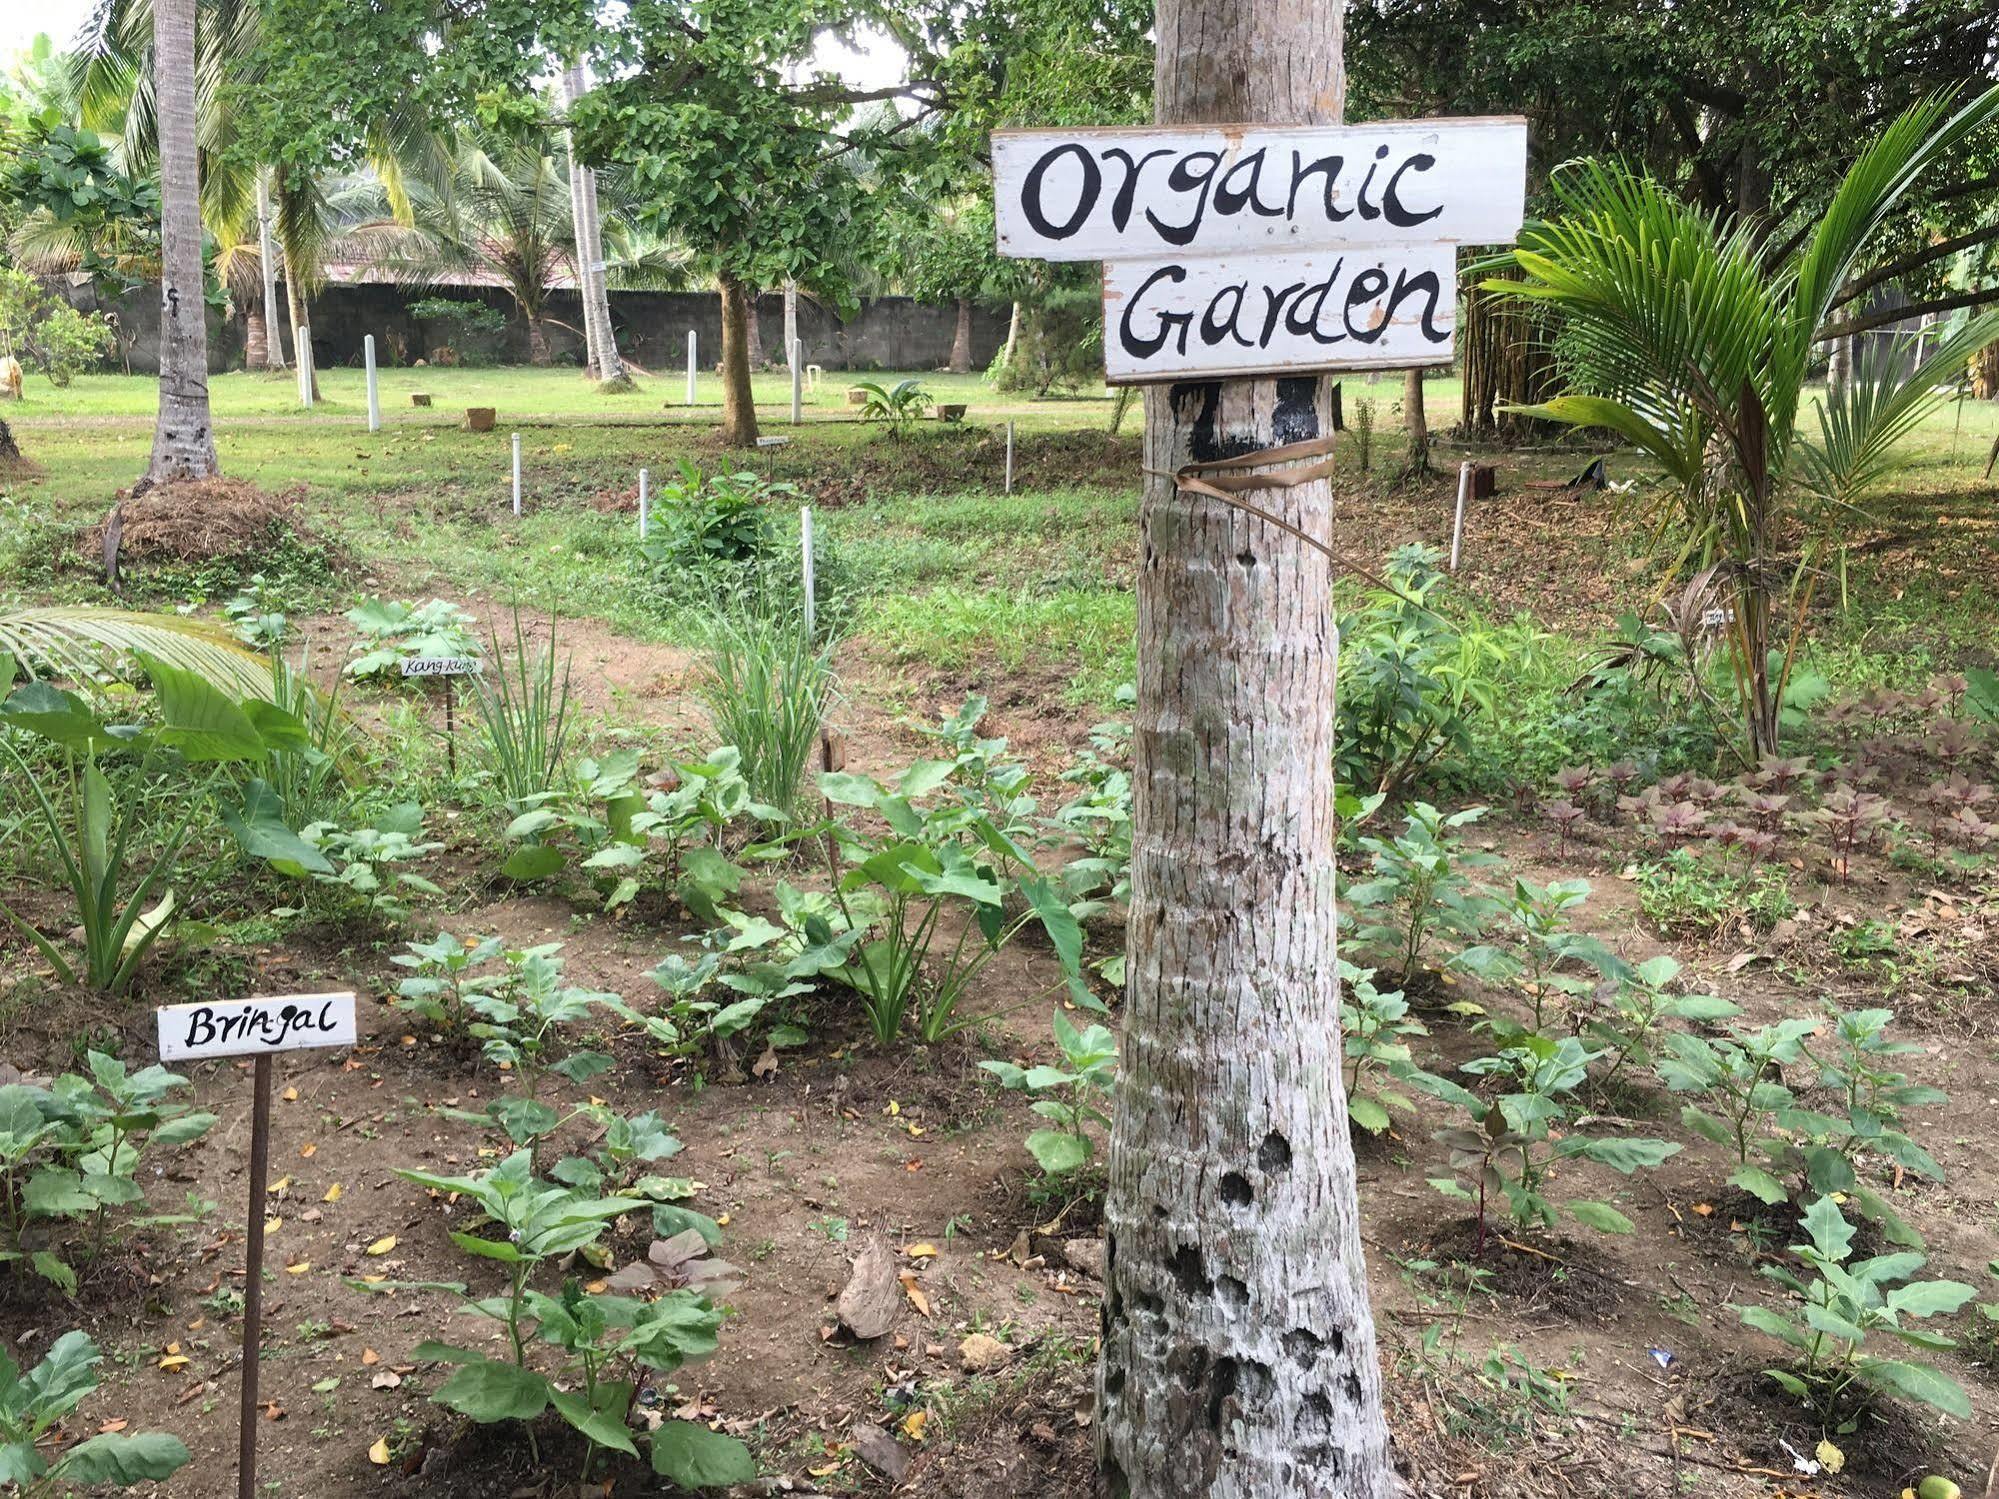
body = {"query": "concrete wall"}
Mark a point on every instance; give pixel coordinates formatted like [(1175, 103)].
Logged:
[(893, 333)]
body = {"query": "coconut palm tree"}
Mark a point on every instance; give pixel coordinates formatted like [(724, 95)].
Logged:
[(1697, 348), (183, 437)]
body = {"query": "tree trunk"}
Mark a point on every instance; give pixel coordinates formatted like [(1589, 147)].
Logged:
[(1985, 373), (183, 441), (739, 407), (1238, 1349), (537, 340), (1416, 421), (1839, 364), (256, 342), (295, 308), (755, 328), (1012, 339), (267, 266), (961, 340), (600, 339), (11, 456)]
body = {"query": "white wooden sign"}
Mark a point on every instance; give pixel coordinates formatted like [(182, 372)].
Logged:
[(442, 666), (1253, 314), (247, 1027), (1150, 193), (1234, 250)]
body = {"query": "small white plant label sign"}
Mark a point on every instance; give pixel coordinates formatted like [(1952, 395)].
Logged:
[(246, 1027), (442, 666)]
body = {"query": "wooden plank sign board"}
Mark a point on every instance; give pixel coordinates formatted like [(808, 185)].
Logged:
[(442, 666), (1145, 193), (247, 1027), (1228, 315), (1234, 250)]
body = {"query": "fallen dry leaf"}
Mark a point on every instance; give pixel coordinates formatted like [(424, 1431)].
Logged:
[(369, 1356), (333, 1193), (379, 1453), (382, 1245), (290, 1095), (914, 1292)]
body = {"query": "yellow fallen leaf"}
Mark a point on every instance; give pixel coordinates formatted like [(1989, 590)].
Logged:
[(913, 1424), (369, 1356), (723, 1221), (299, 1269), (276, 1188), (175, 1359), (379, 1453), (921, 1251), (893, 1109), (383, 1245), (272, 1225), (915, 1131), (333, 1193), (290, 1095), (915, 1293), (307, 1151), (1830, 1457)]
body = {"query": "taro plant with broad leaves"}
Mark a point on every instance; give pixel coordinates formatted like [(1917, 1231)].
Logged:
[(1845, 1311), (1098, 818), (34, 1406), (443, 973), (72, 1152), (97, 825), (1419, 889), (1071, 1096), (391, 632), (1377, 1029), (896, 408), (1537, 961), (602, 1340), (1517, 1140), (1627, 1021), (902, 880), (983, 775)]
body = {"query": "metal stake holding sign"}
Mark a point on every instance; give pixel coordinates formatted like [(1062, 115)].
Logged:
[(645, 502), (517, 473), (690, 366), (1009, 457), (374, 389), (449, 668), (797, 382), (255, 1028)]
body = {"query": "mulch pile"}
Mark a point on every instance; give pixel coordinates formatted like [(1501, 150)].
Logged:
[(197, 520)]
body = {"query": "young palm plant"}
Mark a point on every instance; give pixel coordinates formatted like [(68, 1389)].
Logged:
[(1697, 345)]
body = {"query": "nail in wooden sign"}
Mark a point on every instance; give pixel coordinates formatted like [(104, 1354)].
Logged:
[(248, 1027)]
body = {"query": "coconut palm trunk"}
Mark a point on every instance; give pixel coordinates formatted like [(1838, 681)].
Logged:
[(1238, 1344), (1416, 420), (961, 339), (274, 339), (183, 439), (739, 407), (605, 362)]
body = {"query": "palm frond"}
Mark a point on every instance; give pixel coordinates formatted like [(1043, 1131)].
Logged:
[(85, 643), (1863, 423)]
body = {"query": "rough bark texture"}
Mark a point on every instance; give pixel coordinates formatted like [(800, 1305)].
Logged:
[(256, 342), (11, 456), (267, 265), (295, 309), (537, 342), (586, 222), (755, 326), (183, 441), (1985, 373), (1839, 365), (1416, 420), (1238, 1357), (739, 407), (961, 339)]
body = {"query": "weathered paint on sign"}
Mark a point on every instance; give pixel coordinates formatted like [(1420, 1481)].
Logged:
[(246, 1027), (1261, 314), (1151, 193)]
